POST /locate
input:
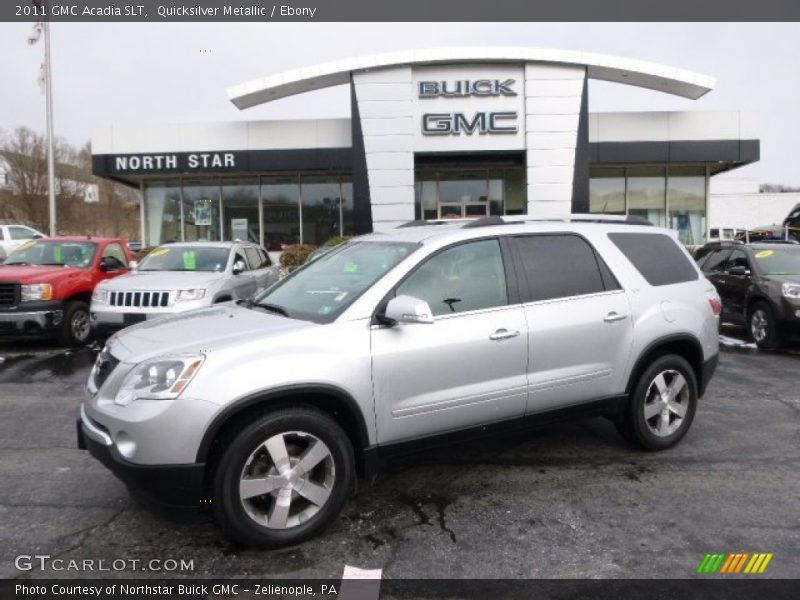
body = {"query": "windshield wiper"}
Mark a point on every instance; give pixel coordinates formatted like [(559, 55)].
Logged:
[(270, 307)]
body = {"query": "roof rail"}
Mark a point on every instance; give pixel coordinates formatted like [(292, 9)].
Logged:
[(576, 218), (424, 223)]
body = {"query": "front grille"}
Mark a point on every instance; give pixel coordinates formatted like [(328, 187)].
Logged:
[(9, 294), (139, 299), (103, 367)]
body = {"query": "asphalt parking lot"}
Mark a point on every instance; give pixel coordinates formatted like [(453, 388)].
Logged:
[(569, 501)]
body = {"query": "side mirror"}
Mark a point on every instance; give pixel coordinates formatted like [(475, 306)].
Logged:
[(37, 236), (238, 267), (407, 309), (739, 271)]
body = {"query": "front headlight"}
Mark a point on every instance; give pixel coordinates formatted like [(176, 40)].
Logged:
[(99, 295), (195, 294), (160, 379), (791, 290), (37, 291)]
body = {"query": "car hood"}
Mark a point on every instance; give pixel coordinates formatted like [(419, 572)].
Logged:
[(196, 331), (33, 273), (161, 280)]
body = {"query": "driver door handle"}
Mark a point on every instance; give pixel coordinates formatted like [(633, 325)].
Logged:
[(503, 334), (614, 316)]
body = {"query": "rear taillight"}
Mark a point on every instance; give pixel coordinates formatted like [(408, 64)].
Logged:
[(715, 303)]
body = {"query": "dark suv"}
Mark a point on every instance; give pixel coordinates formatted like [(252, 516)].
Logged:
[(759, 285)]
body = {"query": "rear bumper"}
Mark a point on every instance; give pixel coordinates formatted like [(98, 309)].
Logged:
[(38, 319), (707, 372), (169, 486)]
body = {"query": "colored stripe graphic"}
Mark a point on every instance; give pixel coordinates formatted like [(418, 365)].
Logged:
[(734, 563)]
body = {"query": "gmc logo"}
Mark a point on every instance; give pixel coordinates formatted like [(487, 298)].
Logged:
[(458, 123), (463, 88)]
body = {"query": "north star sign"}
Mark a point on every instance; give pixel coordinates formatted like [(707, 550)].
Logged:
[(160, 162), (456, 123)]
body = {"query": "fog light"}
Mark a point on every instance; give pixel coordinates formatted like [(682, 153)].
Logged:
[(797, 313), (125, 445)]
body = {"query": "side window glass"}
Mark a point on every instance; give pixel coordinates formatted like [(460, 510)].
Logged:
[(1, 233), (716, 260), (20, 233), (738, 259), (560, 266), (253, 257), (115, 256), (462, 278)]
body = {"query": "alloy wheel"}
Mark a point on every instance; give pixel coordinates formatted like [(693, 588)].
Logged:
[(80, 325), (286, 480), (666, 403), (759, 325)]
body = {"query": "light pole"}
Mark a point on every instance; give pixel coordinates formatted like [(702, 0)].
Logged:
[(43, 26)]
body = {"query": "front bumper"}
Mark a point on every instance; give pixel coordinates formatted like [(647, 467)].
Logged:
[(177, 486), (32, 319)]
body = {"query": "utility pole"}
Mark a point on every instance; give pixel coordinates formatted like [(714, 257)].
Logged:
[(51, 167), (46, 80)]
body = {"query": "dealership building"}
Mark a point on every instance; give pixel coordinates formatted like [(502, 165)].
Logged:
[(432, 134)]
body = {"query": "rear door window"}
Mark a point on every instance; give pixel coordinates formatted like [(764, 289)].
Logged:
[(253, 257), (656, 256), (560, 266)]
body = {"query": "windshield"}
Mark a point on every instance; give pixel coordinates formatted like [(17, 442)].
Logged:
[(185, 258), (779, 261), (53, 252), (324, 288)]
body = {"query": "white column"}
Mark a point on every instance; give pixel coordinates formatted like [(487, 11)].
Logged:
[(385, 105), (552, 112)]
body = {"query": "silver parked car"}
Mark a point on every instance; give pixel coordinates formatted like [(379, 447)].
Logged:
[(179, 277), (267, 411)]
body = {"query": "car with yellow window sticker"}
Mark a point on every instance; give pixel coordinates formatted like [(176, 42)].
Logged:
[(759, 285), (178, 277)]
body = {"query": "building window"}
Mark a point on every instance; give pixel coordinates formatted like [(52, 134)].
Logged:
[(674, 197), (321, 210), (647, 194), (442, 193), (281, 199), (162, 212), (201, 201), (686, 191), (607, 191), (240, 213)]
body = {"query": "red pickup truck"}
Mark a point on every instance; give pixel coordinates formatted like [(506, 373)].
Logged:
[(46, 285)]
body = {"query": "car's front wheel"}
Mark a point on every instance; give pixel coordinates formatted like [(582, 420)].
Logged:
[(283, 478), (662, 405), (75, 327), (763, 327)]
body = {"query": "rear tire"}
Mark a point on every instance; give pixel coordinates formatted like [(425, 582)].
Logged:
[(283, 478), (75, 327), (662, 405), (762, 326)]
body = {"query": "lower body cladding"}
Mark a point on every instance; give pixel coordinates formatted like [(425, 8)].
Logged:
[(42, 320)]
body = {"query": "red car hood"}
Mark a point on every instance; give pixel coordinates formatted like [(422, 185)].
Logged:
[(32, 273)]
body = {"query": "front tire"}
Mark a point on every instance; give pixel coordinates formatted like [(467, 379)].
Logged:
[(75, 327), (662, 405), (762, 326), (283, 478)]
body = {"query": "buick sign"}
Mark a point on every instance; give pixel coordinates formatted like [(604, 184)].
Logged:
[(463, 88)]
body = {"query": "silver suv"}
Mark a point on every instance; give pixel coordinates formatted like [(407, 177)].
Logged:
[(268, 410), (179, 277)]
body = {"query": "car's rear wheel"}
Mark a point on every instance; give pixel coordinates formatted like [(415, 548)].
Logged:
[(75, 326), (763, 327), (283, 478), (662, 405)]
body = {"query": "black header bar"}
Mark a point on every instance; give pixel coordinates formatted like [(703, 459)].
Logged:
[(409, 10)]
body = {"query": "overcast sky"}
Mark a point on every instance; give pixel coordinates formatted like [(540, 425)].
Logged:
[(152, 73)]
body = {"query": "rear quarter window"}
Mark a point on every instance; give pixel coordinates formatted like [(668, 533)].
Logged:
[(656, 256)]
